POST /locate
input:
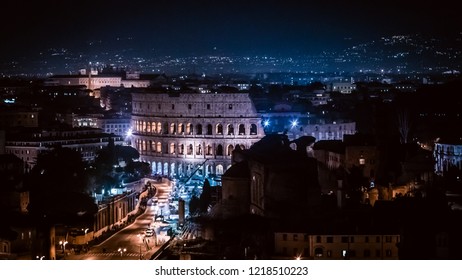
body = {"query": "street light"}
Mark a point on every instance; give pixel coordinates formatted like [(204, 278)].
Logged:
[(86, 230), (122, 250), (63, 244)]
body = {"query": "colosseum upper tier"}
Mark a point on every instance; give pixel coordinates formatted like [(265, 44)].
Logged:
[(186, 133)]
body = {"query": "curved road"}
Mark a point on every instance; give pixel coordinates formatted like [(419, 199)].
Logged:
[(130, 243)]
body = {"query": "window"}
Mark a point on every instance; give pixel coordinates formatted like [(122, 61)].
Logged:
[(344, 239), (318, 252), (330, 239), (367, 253), (284, 237), (388, 253), (377, 239), (295, 237), (230, 106), (318, 239), (388, 239), (189, 106), (208, 106), (329, 253), (173, 106), (366, 239), (362, 161)]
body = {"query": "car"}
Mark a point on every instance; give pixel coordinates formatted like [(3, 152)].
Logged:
[(149, 232)]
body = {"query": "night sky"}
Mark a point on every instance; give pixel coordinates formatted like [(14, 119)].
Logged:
[(173, 27)]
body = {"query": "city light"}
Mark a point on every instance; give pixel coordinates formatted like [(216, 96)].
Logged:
[(129, 133), (294, 123), (266, 123)]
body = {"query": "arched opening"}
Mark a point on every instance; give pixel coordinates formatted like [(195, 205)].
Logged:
[(219, 169), (209, 129), (165, 169), (230, 150), (241, 129), (208, 150), (219, 129), (159, 147), (172, 128), (230, 129), (159, 127), (219, 150), (172, 148), (172, 169), (199, 129), (189, 129), (253, 129), (199, 149), (165, 130)]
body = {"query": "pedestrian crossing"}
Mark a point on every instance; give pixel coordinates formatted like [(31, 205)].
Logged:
[(113, 254)]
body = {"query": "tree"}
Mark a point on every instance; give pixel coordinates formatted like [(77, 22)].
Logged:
[(126, 153), (59, 169), (58, 188)]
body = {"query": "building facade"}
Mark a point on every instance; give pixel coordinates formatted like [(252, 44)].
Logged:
[(186, 133), (447, 155), (296, 124), (88, 141), (337, 247)]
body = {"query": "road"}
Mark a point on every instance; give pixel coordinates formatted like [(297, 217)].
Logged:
[(130, 243)]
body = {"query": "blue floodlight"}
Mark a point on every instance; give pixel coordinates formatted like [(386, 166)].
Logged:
[(294, 123)]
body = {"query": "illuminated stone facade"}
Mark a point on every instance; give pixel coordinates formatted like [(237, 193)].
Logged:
[(186, 133)]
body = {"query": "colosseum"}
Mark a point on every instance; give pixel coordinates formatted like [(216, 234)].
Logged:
[(186, 133)]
